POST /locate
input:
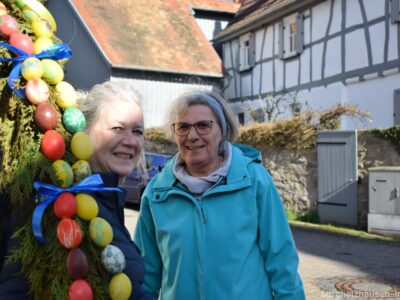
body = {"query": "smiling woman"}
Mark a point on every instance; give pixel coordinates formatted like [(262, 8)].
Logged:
[(211, 223), (115, 124)]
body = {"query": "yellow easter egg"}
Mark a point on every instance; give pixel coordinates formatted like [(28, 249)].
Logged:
[(120, 287), (100, 232), (3, 9), (41, 27), (81, 170), (32, 68), (65, 95), (87, 207), (41, 44), (81, 145), (53, 73), (62, 175)]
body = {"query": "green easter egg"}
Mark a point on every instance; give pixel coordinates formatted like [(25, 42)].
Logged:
[(74, 120)]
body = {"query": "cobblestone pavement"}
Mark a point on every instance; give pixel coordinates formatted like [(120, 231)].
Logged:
[(360, 269)]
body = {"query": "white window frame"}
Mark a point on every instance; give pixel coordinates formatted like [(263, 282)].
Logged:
[(289, 37), (291, 42), (246, 51)]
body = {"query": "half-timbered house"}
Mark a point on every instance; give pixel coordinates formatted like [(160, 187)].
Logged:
[(323, 52)]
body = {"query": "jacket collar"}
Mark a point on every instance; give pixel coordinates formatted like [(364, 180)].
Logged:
[(237, 177)]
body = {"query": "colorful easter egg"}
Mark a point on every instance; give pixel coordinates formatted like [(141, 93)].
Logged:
[(74, 120), (42, 28), (8, 25), (120, 287), (41, 44), (20, 3), (32, 68), (52, 71), (87, 207), (80, 290), (37, 91), (100, 232), (53, 145), (22, 42), (81, 169), (65, 205), (113, 259), (65, 95), (29, 14), (77, 264), (3, 9), (62, 175), (69, 233), (81, 145), (46, 116)]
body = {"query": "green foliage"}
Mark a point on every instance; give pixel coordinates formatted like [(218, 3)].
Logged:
[(309, 217), (391, 134)]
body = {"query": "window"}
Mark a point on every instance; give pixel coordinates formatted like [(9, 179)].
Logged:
[(246, 51), (291, 36), (395, 11), (241, 118)]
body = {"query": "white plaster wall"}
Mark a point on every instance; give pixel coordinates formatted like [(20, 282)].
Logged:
[(378, 40), (268, 43), (353, 13), (317, 51), (292, 71), (208, 26), (320, 16), (336, 17), (305, 66), (333, 63), (266, 86), (246, 79), (374, 8), (393, 52), (156, 95), (356, 50)]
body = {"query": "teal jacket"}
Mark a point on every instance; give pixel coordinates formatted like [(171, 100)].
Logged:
[(232, 244)]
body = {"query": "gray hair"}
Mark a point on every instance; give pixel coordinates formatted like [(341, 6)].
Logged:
[(92, 104), (215, 101)]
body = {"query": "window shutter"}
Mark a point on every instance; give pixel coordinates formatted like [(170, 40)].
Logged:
[(252, 50), (280, 40), (394, 11), (299, 33)]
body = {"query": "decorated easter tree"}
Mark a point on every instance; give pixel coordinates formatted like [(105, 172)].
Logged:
[(44, 168)]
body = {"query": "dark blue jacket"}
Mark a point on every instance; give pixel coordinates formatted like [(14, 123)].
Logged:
[(111, 208)]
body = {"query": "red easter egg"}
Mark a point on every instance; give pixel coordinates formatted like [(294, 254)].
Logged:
[(80, 290), (69, 233), (8, 25), (46, 116), (37, 91), (21, 41), (53, 145), (77, 264), (65, 205)]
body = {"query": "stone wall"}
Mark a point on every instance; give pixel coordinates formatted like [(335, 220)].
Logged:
[(296, 177), (295, 172)]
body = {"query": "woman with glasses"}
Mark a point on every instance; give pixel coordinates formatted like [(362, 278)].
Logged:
[(212, 224)]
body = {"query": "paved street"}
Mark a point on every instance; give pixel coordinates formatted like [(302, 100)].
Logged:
[(367, 269)]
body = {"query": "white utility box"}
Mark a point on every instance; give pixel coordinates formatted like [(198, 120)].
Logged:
[(384, 200)]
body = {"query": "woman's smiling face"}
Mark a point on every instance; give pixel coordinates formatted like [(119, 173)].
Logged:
[(200, 152), (117, 136)]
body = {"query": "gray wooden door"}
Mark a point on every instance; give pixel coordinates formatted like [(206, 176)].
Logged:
[(337, 176)]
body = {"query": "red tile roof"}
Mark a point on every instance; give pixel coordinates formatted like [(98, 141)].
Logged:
[(218, 6), (152, 34)]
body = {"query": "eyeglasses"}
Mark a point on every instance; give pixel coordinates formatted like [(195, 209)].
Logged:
[(202, 127)]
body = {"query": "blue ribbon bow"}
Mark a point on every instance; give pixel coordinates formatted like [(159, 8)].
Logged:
[(48, 193), (55, 52)]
